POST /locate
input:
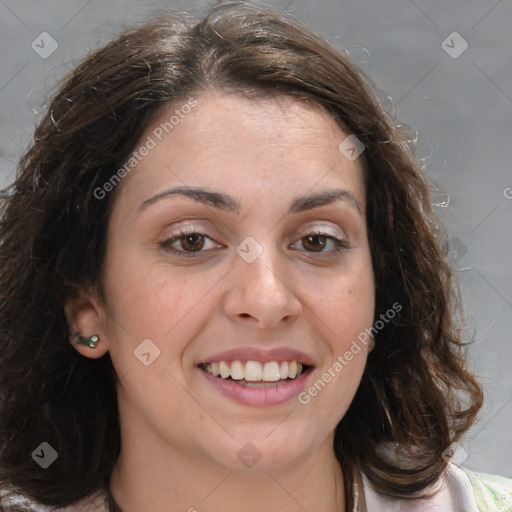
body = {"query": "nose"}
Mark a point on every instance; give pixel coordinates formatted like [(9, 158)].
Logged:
[(262, 293)]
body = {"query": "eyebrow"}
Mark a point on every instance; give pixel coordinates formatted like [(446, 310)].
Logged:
[(229, 204)]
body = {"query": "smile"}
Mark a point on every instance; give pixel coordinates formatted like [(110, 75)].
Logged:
[(257, 383), (255, 371)]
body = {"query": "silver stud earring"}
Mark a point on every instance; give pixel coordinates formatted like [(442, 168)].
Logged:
[(91, 341)]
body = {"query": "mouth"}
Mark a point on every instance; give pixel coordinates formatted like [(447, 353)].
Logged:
[(256, 374), (257, 377)]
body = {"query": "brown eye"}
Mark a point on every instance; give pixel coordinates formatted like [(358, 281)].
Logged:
[(315, 242), (193, 242)]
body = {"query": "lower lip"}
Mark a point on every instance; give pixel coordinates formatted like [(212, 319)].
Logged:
[(258, 397)]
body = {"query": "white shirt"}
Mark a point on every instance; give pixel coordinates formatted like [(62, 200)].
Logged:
[(458, 491)]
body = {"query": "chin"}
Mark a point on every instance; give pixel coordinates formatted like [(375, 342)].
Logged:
[(259, 453)]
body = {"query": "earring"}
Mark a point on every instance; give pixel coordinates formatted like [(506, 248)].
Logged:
[(91, 341)]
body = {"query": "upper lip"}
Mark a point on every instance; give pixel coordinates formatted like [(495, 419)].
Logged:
[(260, 354)]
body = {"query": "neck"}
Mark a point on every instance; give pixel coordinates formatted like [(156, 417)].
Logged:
[(151, 475)]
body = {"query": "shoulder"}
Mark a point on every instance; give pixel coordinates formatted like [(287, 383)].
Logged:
[(492, 492), (459, 489)]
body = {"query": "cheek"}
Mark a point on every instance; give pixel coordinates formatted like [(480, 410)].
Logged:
[(147, 301), (344, 316), (344, 308), (345, 304), (347, 322), (147, 296), (133, 302), (353, 313)]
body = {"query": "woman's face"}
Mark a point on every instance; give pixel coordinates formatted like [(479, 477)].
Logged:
[(268, 271)]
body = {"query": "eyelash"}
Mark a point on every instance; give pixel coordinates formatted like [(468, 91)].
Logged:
[(339, 245)]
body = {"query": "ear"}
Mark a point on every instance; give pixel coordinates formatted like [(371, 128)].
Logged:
[(85, 318)]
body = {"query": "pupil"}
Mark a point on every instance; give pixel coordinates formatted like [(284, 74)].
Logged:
[(317, 238), (193, 245)]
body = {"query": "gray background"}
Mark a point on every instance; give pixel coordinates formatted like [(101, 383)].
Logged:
[(461, 109)]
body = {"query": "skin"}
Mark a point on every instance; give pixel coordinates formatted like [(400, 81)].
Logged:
[(180, 436)]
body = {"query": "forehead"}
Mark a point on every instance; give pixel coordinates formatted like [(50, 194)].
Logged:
[(277, 145)]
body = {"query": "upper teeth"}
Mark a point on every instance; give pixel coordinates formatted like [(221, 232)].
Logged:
[(254, 370)]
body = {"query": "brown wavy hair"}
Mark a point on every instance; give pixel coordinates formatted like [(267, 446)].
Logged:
[(416, 391)]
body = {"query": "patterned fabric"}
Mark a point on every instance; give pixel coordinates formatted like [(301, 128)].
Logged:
[(12, 502), (492, 493)]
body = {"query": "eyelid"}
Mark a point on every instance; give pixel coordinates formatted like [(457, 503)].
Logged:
[(341, 241), (308, 229), (324, 230)]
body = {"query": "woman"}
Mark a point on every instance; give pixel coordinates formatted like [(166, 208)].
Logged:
[(222, 288)]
